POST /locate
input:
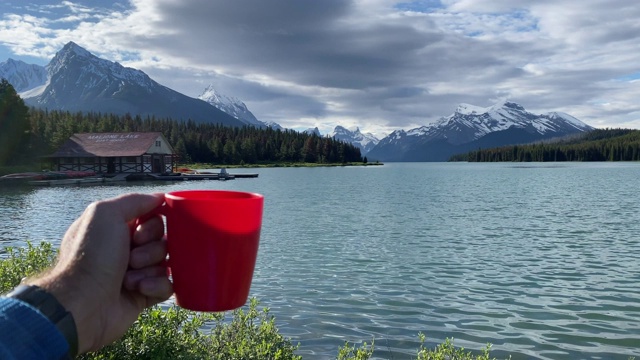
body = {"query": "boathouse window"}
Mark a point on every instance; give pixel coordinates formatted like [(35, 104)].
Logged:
[(158, 143), (146, 159), (130, 159)]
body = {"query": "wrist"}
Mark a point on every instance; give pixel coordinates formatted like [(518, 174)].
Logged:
[(51, 308), (66, 292)]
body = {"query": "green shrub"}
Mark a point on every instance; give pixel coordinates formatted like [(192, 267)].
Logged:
[(446, 350), (160, 334), (249, 334), (177, 333), (347, 352), (18, 263), (174, 333)]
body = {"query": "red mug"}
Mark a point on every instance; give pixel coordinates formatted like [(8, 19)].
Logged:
[(212, 241)]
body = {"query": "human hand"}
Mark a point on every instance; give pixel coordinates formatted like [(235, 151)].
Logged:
[(105, 276)]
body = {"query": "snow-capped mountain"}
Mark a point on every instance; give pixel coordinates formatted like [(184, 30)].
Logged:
[(365, 142), (23, 76), (471, 127), (274, 125), (234, 107), (80, 81)]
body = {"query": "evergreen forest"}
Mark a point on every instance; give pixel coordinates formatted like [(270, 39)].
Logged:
[(595, 145), (29, 133)]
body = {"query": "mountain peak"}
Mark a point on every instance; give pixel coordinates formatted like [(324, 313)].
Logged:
[(232, 106), (313, 131), (365, 142), (76, 49), (351, 129), (71, 52), (80, 81), (467, 109)]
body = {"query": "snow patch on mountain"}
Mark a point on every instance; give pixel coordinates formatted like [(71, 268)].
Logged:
[(36, 91), (470, 127), (471, 122), (467, 109), (556, 115), (274, 125), (365, 142), (80, 81), (22, 76), (90, 73), (231, 105)]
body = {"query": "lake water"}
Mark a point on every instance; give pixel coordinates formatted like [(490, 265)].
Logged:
[(541, 260)]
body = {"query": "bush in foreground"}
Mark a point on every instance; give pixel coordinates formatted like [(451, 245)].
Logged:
[(175, 333)]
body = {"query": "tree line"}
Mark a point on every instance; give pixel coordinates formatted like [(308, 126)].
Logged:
[(595, 145), (42, 132), (14, 126)]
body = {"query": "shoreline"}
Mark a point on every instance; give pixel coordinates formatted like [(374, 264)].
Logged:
[(272, 165)]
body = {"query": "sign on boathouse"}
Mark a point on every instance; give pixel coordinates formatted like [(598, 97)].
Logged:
[(138, 152)]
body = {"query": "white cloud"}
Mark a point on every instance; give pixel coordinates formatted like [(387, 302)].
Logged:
[(363, 63)]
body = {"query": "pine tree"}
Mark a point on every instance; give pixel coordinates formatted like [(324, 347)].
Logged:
[(14, 126)]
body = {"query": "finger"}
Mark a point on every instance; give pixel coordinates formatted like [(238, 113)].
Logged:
[(158, 289), (151, 230), (148, 254), (132, 278), (133, 206)]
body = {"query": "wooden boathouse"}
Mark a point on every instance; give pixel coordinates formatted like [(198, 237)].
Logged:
[(110, 153)]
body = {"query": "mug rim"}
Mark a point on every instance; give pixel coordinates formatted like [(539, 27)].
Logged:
[(245, 195)]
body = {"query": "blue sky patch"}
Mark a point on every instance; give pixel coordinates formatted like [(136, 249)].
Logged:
[(629, 77), (425, 6)]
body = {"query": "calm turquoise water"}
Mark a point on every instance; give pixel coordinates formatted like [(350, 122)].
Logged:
[(541, 260)]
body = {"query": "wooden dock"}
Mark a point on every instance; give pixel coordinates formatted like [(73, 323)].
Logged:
[(200, 176), (80, 181), (55, 179)]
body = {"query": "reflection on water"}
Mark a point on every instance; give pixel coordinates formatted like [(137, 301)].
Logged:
[(537, 259)]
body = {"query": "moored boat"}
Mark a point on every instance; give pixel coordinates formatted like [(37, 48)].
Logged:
[(27, 177)]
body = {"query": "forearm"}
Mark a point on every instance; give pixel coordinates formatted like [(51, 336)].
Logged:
[(27, 333)]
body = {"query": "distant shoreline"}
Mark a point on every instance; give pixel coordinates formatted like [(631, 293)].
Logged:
[(37, 167), (273, 165)]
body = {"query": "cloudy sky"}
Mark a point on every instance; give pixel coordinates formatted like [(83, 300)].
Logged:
[(381, 65)]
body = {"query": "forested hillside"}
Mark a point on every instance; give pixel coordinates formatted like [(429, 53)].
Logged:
[(596, 145), (210, 143), (14, 126)]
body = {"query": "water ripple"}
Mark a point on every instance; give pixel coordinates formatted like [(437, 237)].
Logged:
[(538, 260)]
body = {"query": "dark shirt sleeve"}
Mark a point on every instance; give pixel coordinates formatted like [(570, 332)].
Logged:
[(27, 334)]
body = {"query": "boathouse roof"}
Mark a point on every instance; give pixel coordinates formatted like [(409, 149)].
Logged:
[(113, 144)]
